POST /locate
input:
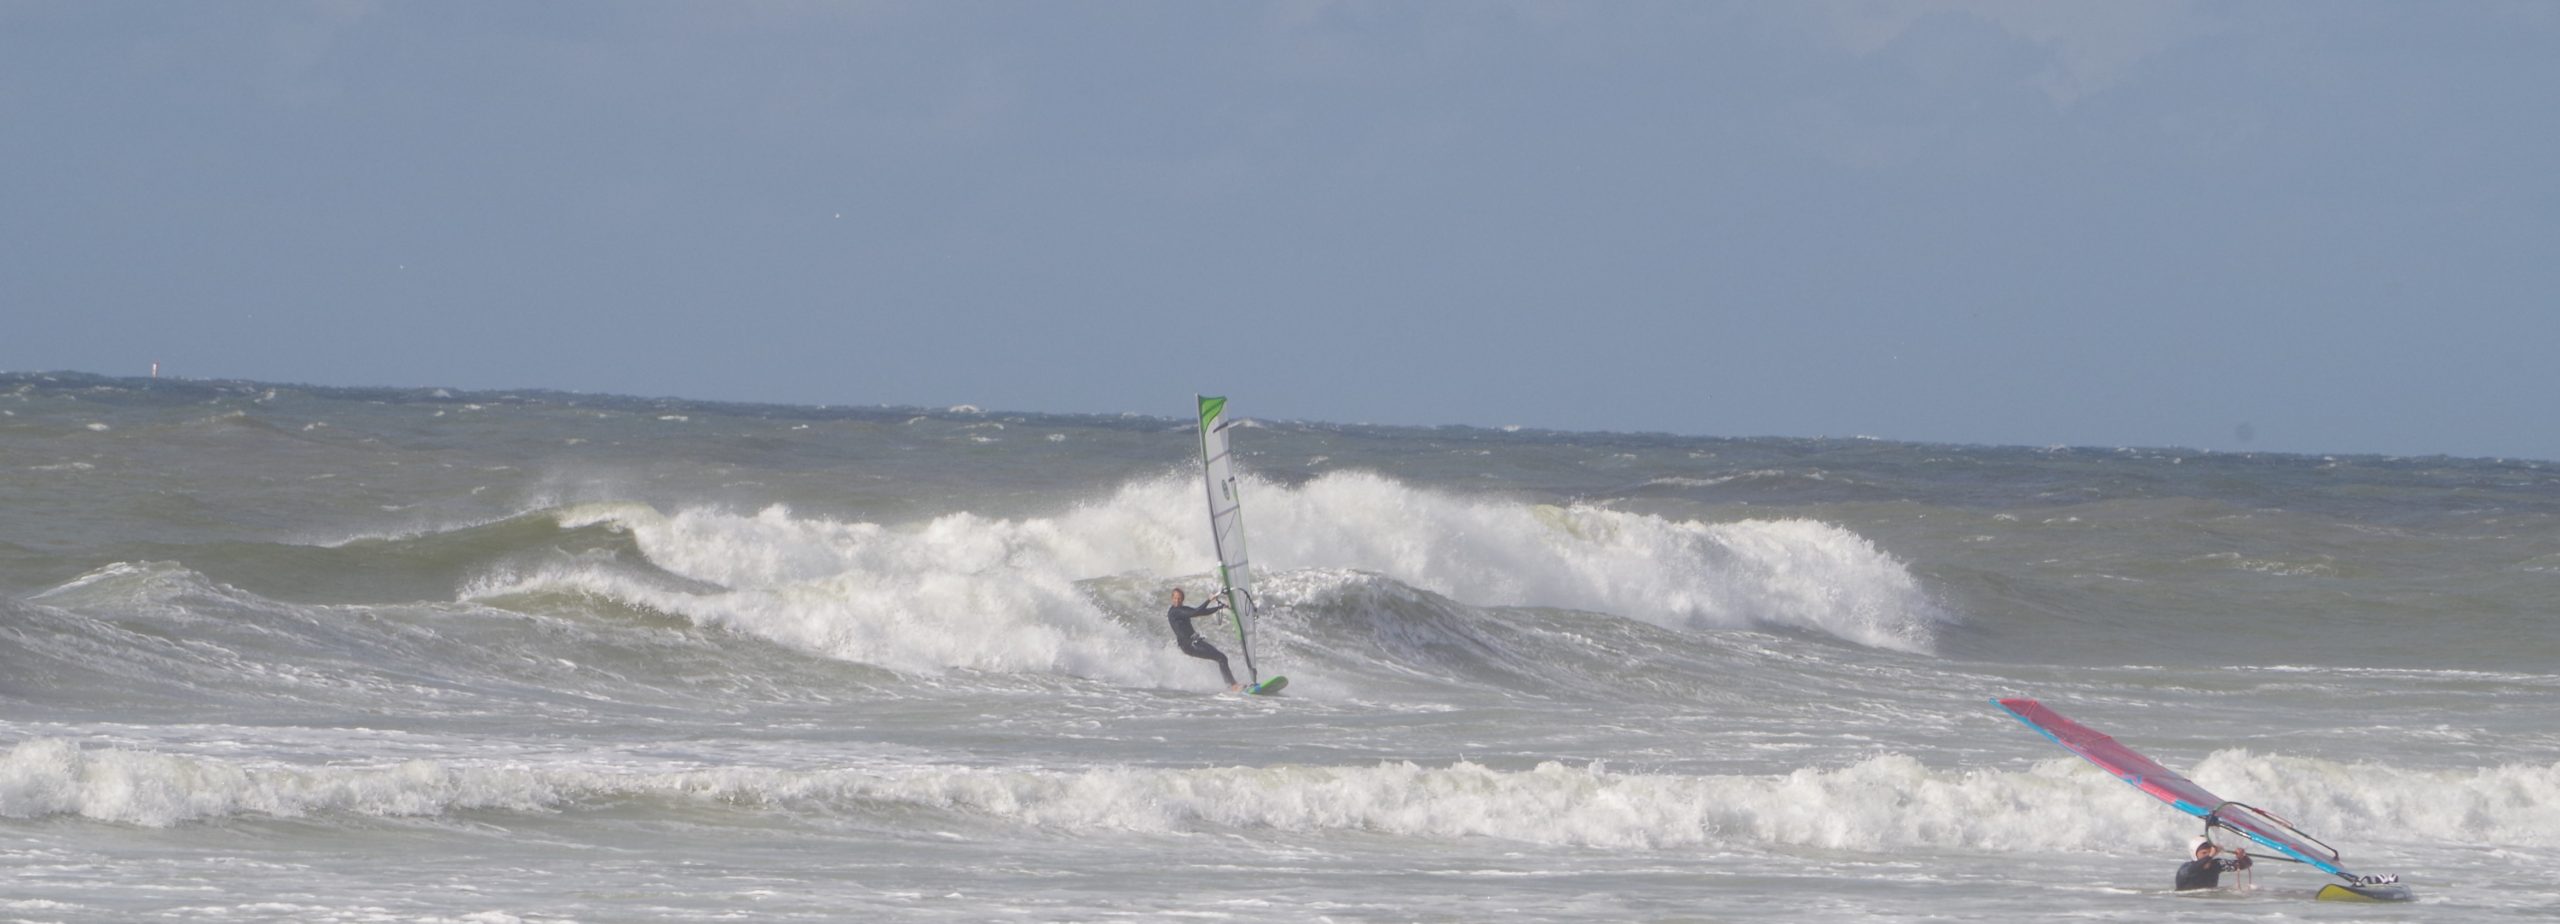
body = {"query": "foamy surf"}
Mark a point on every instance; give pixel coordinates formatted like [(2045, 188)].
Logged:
[(963, 591), (1882, 805)]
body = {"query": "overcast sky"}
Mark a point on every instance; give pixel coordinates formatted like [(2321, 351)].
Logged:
[(2304, 227)]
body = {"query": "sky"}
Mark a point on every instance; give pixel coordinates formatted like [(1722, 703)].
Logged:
[(2319, 227)]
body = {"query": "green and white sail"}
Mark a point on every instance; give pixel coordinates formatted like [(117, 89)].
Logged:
[(1226, 524)]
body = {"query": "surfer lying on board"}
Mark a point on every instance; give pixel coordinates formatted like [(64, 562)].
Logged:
[(1190, 641), (2205, 871)]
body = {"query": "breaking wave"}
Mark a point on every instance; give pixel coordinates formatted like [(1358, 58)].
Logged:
[(1882, 804), (963, 591)]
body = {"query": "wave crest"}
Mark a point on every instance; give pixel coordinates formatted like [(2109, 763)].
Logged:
[(1040, 594), (1884, 804)]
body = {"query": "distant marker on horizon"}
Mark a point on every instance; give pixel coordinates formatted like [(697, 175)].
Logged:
[(155, 370)]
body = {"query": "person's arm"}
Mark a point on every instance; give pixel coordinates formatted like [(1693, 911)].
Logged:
[(2240, 858)]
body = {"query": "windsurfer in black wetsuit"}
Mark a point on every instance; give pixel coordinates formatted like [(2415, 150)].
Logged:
[(1189, 640), (2205, 871)]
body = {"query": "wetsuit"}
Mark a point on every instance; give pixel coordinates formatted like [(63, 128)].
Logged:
[(1189, 640), (2207, 873)]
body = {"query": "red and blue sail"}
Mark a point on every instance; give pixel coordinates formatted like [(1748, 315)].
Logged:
[(2167, 786)]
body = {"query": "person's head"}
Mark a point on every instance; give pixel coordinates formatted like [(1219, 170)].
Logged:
[(2205, 848), (1177, 596)]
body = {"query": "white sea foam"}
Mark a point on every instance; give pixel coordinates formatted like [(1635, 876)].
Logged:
[(56, 777), (1800, 574), (964, 591), (128, 584), (959, 591), (1883, 804)]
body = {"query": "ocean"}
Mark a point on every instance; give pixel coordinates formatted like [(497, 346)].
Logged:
[(289, 653)]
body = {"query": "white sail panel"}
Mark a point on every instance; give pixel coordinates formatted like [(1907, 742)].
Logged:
[(1226, 523)]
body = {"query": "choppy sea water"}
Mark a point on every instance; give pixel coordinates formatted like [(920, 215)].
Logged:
[(286, 653)]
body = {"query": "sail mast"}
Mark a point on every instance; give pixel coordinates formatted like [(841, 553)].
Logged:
[(1226, 523)]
